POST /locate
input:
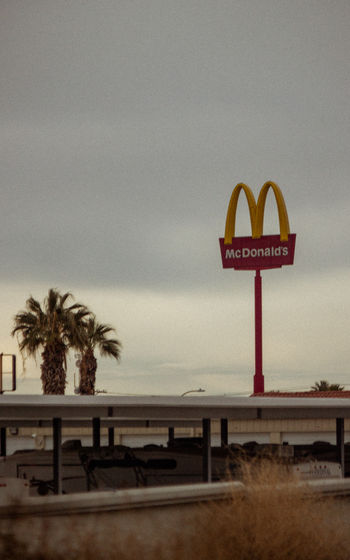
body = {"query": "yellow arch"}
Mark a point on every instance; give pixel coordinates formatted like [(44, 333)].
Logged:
[(281, 207), (232, 209), (256, 211)]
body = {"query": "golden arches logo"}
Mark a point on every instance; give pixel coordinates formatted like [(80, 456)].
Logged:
[(256, 211)]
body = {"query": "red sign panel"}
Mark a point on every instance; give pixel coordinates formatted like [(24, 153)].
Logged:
[(246, 253)]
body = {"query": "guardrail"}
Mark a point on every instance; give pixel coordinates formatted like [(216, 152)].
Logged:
[(138, 498), (145, 517)]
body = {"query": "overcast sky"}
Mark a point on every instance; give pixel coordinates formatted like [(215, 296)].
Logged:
[(125, 125)]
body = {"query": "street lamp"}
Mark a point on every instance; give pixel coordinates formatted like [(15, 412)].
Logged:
[(193, 391)]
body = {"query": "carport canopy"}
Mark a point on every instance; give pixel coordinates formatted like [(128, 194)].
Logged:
[(102, 410)]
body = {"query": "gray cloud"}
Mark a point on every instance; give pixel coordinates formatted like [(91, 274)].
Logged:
[(126, 125)]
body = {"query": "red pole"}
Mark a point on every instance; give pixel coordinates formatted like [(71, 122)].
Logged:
[(258, 377)]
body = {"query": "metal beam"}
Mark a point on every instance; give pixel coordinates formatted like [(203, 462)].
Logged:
[(105, 423), (153, 409), (303, 412)]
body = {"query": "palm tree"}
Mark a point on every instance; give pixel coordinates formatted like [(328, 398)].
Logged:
[(95, 336), (326, 386), (53, 328)]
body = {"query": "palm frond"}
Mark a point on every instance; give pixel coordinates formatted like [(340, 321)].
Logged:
[(34, 306), (111, 348), (64, 297), (51, 301)]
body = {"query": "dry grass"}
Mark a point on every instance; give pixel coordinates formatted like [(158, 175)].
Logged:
[(273, 520)]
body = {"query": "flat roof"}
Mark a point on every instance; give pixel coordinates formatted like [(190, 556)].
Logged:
[(14, 408), (305, 394)]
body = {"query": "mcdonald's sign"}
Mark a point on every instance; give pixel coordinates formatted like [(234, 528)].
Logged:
[(258, 251)]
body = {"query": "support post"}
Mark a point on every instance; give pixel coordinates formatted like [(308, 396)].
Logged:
[(111, 437), (206, 450), (96, 433), (340, 444), (57, 455), (14, 372), (171, 435), (3, 442), (224, 432), (258, 377), (110, 429)]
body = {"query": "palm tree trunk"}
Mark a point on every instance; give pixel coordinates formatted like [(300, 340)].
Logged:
[(87, 370), (53, 373)]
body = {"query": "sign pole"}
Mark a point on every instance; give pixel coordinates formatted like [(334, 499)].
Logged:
[(258, 377), (258, 252)]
